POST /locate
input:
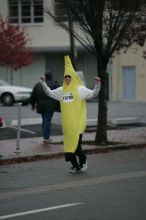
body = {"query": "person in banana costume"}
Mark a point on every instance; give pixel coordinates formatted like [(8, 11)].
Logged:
[(72, 97)]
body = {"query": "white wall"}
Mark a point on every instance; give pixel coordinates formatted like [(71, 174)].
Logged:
[(47, 34)]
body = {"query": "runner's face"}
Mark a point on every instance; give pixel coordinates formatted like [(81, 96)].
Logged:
[(67, 79)]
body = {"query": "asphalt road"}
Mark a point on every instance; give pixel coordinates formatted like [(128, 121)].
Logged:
[(31, 121), (113, 188), (115, 109)]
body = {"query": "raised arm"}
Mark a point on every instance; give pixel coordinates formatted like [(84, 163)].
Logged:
[(86, 93), (55, 93)]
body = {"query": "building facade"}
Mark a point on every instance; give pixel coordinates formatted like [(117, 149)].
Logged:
[(127, 71)]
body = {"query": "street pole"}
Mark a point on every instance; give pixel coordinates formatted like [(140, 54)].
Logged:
[(19, 128)]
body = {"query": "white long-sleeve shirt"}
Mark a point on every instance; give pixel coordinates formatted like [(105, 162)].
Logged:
[(83, 91)]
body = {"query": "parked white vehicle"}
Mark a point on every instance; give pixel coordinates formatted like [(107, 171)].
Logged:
[(10, 94)]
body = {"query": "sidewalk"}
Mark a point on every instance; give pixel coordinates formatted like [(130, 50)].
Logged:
[(34, 149)]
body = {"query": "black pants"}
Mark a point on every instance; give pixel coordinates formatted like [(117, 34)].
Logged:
[(80, 154)]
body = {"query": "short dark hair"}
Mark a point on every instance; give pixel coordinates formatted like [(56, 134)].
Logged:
[(48, 75)]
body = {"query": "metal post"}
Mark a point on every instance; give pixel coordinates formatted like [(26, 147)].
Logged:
[(19, 127)]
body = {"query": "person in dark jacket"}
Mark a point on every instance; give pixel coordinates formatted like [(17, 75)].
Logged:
[(44, 105)]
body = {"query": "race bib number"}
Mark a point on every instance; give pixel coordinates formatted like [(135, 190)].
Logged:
[(68, 97)]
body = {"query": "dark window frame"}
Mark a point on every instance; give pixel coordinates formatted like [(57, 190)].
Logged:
[(61, 11), (26, 11)]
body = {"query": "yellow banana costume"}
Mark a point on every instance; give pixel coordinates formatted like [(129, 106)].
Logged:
[(73, 110)]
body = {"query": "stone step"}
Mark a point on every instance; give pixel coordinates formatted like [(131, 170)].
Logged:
[(125, 121)]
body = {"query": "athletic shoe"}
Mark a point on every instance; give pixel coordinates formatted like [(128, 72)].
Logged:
[(46, 141), (74, 170), (84, 166)]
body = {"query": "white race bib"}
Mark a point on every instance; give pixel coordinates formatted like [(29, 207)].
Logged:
[(68, 97)]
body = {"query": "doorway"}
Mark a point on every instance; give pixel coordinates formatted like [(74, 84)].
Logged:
[(129, 82)]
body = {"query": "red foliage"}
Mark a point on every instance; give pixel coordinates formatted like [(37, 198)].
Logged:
[(13, 41), (1, 122)]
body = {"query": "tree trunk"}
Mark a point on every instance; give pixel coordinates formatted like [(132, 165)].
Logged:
[(101, 133)]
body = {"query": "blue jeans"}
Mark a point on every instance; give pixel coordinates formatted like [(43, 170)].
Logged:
[(46, 124)]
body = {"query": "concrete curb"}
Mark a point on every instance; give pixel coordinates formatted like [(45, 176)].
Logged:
[(58, 155)]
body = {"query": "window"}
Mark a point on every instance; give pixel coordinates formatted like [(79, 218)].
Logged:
[(26, 11), (61, 11)]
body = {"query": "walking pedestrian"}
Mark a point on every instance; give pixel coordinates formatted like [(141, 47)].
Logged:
[(72, 97), (44, 105)]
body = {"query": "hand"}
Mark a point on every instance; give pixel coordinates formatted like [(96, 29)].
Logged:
[(33, 108), (42, 78), (97, 79)]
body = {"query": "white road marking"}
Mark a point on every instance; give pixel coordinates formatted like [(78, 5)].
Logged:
[(25, 130), (27, 121), (39, 210)]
